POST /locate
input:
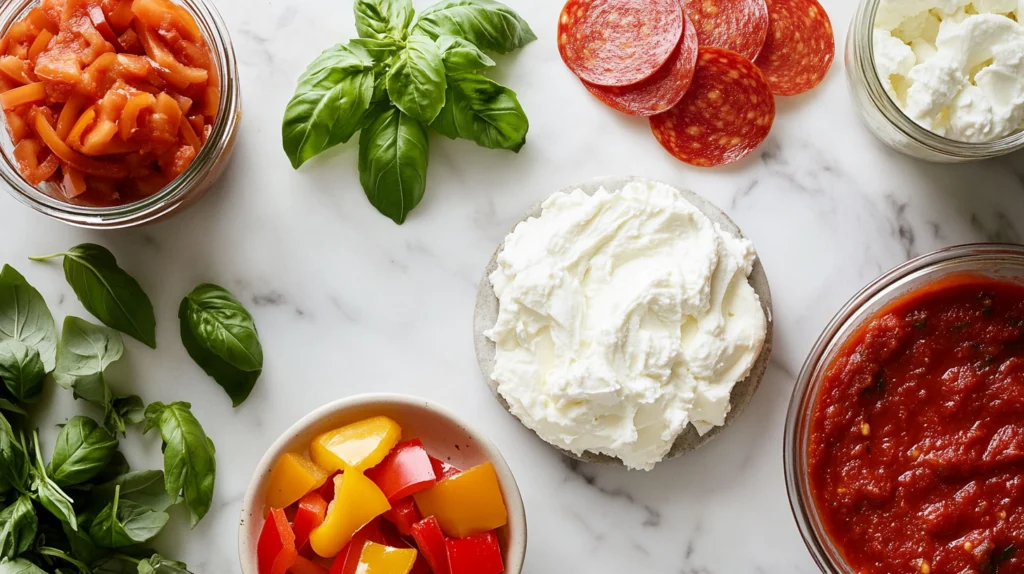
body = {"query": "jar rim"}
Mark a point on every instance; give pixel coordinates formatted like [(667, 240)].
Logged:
[(805, 393), (862, 34), (173, 194)]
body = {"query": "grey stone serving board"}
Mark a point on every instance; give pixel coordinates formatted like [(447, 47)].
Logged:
[(486, 314)]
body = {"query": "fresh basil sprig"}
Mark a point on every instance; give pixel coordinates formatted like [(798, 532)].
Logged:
[(108, 292), (125, 523), (83, 450), (22, 370), (145, 487), (18, 525), (49, 495), (20, 566), (190, 465), (25, 318), (220, 336), (401, 77), (14, 461)]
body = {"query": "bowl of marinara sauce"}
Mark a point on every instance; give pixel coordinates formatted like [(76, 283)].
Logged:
[(905, 436)]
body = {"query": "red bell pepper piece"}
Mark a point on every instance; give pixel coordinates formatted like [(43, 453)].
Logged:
[(431, 543), (479, 554), (421, 566), (406, 470), (327, 490), (306, 566), (442, 469), (347, 561), (403, 515), (275, 549), (311, 512)]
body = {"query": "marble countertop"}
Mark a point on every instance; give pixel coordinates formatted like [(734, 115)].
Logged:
[(347, 302)]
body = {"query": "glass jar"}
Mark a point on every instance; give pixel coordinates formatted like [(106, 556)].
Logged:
[(999, 262), (885, 118), (190, 186)]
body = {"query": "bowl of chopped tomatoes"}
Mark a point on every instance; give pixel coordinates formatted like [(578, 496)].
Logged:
[(382, 483), (117, 112)]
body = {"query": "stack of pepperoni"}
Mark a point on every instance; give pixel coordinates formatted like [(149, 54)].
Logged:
[(705, 71)]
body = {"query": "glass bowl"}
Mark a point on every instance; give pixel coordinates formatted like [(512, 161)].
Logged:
[(190, 186), (996, 261)]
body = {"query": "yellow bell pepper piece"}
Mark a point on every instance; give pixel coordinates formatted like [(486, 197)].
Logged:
[(380, 559), (360, 445), (292, 477), (357, 501), (465, 504)]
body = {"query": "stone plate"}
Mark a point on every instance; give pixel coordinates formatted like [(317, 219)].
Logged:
[(486, 314)]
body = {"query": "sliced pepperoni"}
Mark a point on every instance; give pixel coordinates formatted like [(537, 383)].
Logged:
[(662, 90), (618, 42), (727, 113), (737, 25), (800, 46)]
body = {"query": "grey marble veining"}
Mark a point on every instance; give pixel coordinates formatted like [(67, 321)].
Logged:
[(347, 302)]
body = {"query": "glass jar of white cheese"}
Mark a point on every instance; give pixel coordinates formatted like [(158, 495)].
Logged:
[(885, 117)]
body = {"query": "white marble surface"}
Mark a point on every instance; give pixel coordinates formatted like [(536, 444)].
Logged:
[(347, 302)]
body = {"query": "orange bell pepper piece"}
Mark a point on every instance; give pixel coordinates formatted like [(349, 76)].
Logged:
[(357, 501), (27, 94), (465, 504), (358, 446), (292, 477)]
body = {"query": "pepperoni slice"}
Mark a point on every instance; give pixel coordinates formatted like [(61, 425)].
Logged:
[(727, 113), (618, 42), (662, 90), (800, 46), (737, 25)]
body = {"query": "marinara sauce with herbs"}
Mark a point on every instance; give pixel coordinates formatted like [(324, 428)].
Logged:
[(917, 441)]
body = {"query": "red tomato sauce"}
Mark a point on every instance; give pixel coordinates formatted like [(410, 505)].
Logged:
[(917, 439)]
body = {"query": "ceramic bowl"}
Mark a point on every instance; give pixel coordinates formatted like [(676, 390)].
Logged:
[(486, 315), (445, 435)]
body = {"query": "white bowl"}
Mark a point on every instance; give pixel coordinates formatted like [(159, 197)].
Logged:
[(444, 434)]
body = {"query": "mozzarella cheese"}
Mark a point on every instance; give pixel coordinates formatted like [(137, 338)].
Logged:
[(624, 317), (955, 67)]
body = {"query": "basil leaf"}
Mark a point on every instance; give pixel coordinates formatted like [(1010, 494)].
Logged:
[(190, 465), (82, 545), (22, 370), (85, 352), (376, 51), (416, 82), (18, 524), (6, 405), (330, 99), (117, 466), (490, 25), (462, 56), (114, 565), (144, 487), (20, 566), (108, 292), (157, 564), (48, 493), (124, 412), (379, 19), (14, 462), (220, 336), (124, 523), (25, 317), (393, 151), (83, 450), (483, 111)]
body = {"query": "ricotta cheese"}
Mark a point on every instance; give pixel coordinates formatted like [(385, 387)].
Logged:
[(624, 317), (955, 67)]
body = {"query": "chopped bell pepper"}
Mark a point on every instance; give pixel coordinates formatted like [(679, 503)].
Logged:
[(380, 559), (347, 561), (310, 514), (466, 504), (357, 501), (403, 515), (431, 542), (360, 445), (275, 549), (406, 470), (292, 477), (442, 469), (306, 566), (479, 554), (327, 490)]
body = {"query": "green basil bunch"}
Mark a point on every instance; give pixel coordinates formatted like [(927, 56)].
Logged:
[(401, 77)]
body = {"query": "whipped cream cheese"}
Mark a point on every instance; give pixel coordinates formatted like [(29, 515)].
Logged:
[(955, 67), (624, 317)]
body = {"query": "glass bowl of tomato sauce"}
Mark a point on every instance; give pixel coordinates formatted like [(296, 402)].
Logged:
[(87, 87), (904, 445)]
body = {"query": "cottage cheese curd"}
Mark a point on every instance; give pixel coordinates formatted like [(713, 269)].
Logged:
[(624, 317), (955, 67)]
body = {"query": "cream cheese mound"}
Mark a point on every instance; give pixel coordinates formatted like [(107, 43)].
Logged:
[(624, 317), (955, 67)]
